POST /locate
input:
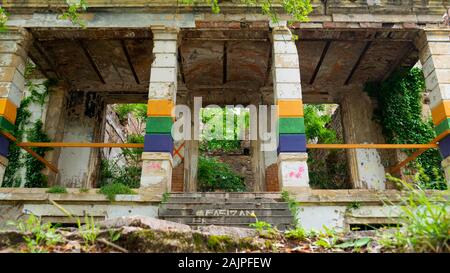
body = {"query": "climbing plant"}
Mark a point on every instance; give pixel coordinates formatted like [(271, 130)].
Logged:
[(400, 114), (33, 132), (72, 13), (297, 9), (3, 19)]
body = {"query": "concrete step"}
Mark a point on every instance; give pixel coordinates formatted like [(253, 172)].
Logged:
[(209, 210), (241, 195), (224, 205), (281, 227), (183, 199), (214, 220)]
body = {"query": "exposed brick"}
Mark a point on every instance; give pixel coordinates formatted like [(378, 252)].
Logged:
[(178, 178), (272, 183)]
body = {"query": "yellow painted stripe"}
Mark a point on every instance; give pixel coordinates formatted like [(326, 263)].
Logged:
[(160, 108), (441, 112), (290, 108), (8, 110)]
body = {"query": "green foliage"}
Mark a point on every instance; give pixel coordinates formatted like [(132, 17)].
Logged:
[(327, 238), (111, 190), (297, 234), (424, 223), (218, 135), (315, 124), (37, 234), (73, 12), (292, 204), (57, 189), (357, 243), (130, 173), (3, 19), (33, 132), (264, 229), (88, 231), (219, 242), (214, 175), (165, 197), (137, 110), (400, 114)]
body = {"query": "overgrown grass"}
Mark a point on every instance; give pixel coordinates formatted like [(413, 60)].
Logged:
[(57, 189), (424, 223), (214, 175), (111, 190)]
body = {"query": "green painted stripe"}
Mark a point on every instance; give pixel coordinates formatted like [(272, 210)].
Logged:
[(291, 125), (444, 125), (6, 125), (158, 125)]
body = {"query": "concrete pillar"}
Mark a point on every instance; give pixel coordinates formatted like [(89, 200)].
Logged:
[(366, 168), (54, 125), (434, 52), (14, 45), (158, 146), (292, 156)]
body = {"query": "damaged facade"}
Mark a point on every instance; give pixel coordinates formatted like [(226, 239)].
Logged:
[(149, 54)]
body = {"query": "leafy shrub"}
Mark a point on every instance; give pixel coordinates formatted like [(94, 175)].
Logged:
[(424, 223), (214, 175), (111, 190)]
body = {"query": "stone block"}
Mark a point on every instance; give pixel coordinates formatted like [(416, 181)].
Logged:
[(439, 93), (165, 60), (290, 108), (158, 143), (290, 143), (286, 75), (159, 125), (158, 108), (164, 46), (12, 92), (291, 126), (8, 110), (288, 91), (286, 60), (284, 47), (437, 76), (163, 74), (162, 90)]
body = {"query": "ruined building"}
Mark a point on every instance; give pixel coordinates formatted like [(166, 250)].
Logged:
[(162, 54)]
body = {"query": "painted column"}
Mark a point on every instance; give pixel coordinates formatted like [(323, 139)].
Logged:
[(14, 44), (158, 146), (434, 52), (292, 156)]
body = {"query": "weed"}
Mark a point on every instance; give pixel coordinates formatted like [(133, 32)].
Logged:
[(111, 190), (57, 189), (298, 234)]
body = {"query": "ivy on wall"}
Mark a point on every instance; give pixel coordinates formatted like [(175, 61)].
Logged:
[(33, 132), (400, 114)]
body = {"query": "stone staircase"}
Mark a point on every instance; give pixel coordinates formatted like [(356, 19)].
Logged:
[(226, 209)]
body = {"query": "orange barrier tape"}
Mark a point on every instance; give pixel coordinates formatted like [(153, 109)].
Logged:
[(31, 152), (371, 146), (80, 145)]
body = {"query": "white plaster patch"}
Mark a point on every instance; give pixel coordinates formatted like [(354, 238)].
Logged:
[(164, 46), (371, 171), (12, 92), (294, 174), (286, 60), (285, 47), (316, 217), (165, 60), (162, 90), (288, 91)]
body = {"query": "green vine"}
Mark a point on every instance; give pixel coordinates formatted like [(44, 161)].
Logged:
[(297, 9), (400, 114), (32, 131), (73, 12)]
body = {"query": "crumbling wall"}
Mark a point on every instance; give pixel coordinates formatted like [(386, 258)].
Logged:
[(79, 167)]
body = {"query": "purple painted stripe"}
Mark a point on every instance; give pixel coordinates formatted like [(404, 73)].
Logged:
[(444, 147), (158, 143), (290, 143), (4, 146)]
